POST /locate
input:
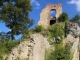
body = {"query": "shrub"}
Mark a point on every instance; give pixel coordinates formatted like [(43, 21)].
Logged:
[(27, 34), (6, 46), (60, 53), (63, 17), (56, 31), (1, 58), (11, 44), (49, 37), (66, 29), (39, 28)]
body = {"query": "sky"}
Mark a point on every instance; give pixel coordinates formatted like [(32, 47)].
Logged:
[(71, 7)]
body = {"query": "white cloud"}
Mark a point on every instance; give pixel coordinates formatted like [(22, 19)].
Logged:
[(77, 3), (36, 3)]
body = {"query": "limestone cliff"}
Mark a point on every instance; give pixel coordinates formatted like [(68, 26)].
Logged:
[(74, 46), (31, 49), (34, 47)]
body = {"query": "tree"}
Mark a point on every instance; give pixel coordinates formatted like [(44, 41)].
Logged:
[(75, 18), (63, 17), (15, 15)]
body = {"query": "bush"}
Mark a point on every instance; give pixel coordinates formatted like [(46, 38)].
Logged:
[(6, 46), (11, 44), (39, 28), (63, 17), (56, 31), (27, 34), (50, 37), (60, 53), (1, 58)]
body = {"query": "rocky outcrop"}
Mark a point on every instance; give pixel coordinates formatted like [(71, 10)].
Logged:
[(74, 29), (41, 44), (22, 51), (31, 49), (75, 49), (34, 47), (74, 42), (73, 38)]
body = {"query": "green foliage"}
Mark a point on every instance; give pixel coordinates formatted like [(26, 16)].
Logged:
[(66, 29), (56, 31), (26, 59), (60, 53), (27, 34), (50, 37), (1, 58), (16, 16), (75, 18), (6, 46), (39, 28), (47, 54), (63, 17)]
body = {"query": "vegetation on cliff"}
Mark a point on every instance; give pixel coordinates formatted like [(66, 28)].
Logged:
[(16, 18)]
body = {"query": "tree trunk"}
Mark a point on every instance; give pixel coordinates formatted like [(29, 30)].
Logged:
[(12, 35)]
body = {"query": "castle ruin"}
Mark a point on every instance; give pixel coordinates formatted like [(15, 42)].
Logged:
[(45, 18)]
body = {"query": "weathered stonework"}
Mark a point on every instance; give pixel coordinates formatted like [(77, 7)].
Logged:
[(45, 14)]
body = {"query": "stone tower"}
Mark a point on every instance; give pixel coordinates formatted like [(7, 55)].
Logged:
[(45, 14)]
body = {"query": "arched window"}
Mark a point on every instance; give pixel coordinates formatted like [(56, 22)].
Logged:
[(52, 13), (52, 17)]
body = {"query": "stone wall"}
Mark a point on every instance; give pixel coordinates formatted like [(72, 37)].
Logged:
[(45, 14)]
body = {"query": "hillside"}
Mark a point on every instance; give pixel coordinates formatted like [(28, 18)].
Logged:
[(56, 35), (38, 46), (32, 49)]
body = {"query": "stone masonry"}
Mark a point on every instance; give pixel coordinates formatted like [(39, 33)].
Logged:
[(45, 14)]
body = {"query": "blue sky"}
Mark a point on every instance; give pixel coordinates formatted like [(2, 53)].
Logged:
[(71, 7)]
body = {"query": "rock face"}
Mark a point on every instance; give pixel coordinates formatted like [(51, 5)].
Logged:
[(22, 51), (32, 49), (75, 49), (74, 39), (41, 44), (45, 14), (74, 29), (74, 46)]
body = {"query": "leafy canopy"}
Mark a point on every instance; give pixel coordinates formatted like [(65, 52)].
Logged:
[(76, 18), (63, 17), (15, 15), (56, 31)]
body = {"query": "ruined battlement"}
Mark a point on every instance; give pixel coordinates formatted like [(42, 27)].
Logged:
[(53, 6), (45, 18)]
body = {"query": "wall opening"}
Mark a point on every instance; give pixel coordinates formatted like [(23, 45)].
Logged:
[(53, 21), (52, 17), (52, 13)]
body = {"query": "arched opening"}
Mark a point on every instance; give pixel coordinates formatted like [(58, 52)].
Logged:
[(52, 17)]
